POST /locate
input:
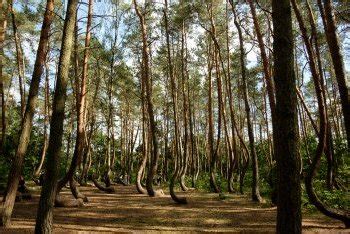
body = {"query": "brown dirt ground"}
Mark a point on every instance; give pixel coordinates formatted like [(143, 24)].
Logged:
[(128, 211)]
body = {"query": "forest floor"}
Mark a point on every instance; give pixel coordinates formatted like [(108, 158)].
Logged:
[(128, 211)]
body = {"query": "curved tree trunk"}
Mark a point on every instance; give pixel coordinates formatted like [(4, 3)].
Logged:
[(46, 122), (255, 168), (329, 143), (175, 176), (75, 191), (141, 170), (44, 220), (333, 213), (87, 150), (81, 109), (212, 156), (234, 159), (184, 111), (101, 187), (152, 123), (142, 167), (17, 164)]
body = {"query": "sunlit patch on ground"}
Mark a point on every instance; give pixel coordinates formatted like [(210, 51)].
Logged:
[(126, 211)]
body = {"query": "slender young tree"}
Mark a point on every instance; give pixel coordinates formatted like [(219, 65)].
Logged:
[(27, 123), (44, 220), (286, 137)]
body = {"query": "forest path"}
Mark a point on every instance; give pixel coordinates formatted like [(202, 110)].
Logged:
[(128, 211)]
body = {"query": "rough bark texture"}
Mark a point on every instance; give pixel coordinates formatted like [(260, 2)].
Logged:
[(286, 140), (17, 163), (44, 219)]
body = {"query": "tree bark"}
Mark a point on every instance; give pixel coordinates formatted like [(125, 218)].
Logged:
[(81, 108), (329, 143), (176, 151), (44, 220), (329, 24), (17, 163), (337, 214), (150, 109), (286, 137), (184, 111), (46, 121), (266, 66), (3, 26), (255, 168), (20, 59), (142, 167)]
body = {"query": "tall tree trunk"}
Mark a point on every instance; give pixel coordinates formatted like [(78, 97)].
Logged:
[(255, 168), (212, 156), (20, 59), (109, 129), (329, 144), (150, 109), (234, 155), (176, 151), (184, 111), (337, 214), (3, 26), (142, 167), (17, 163), (329, 24), (46, 121), (81, 108), (286, 137), (44, 220), (266, 67)]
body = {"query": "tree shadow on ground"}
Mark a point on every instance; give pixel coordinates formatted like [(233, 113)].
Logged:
[(126, 211)]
